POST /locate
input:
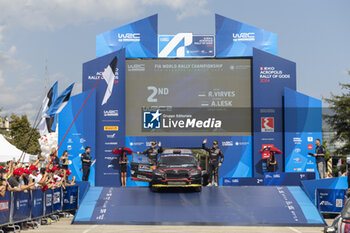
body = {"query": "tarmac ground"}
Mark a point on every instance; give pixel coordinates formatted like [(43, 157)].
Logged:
[(64, 225)]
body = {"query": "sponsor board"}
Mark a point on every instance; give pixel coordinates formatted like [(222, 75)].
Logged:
[(4, 205), (267, 74), (110, 128), (111, 113), (297, 140), (267, 124), (227, 143), (186, 45)]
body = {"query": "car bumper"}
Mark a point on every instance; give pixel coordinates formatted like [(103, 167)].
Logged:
[(190, 182), (176, 185)]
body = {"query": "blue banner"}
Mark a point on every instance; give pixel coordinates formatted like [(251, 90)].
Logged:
[(5, 205), (236, 39), (310, 186), (186, 45), (37, 203), (70, 198), (110, 117), (22, 206), (81, 134), (303, 124), (330, 200), (139, 38), (271, 74), (56, 200), (48, 201), (286, 179), (242, 181)]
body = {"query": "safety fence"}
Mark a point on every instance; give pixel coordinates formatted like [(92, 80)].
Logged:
[(18, 207)]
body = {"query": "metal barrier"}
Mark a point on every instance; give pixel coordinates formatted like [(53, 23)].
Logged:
[(18, 207)]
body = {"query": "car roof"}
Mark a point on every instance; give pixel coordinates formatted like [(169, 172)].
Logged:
[(177, 151), (175, 155)]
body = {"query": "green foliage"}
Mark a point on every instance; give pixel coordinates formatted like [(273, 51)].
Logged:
[(328, 154), (339, 120), (21, 132)]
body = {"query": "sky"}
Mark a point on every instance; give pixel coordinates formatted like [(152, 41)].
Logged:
[(60, 34)]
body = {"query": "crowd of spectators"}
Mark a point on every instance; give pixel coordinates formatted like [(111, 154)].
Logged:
[(42, 174)]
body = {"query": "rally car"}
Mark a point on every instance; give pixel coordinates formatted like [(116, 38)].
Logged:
[(341, 223), (175, 168)]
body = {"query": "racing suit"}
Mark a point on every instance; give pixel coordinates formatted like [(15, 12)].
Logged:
[(215, 157), (152, 154)]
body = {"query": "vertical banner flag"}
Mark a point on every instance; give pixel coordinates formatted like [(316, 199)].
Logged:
[(46, 122), (138, 38), (81, 134), (271, 74), (110, 117), (236, 39), (108, 75), (302, 125), (60, 102)]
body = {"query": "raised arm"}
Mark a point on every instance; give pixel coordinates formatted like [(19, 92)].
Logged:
[(203, 145)]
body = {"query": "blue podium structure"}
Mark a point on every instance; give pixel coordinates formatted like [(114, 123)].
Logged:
[(242, 74), (246, 205)]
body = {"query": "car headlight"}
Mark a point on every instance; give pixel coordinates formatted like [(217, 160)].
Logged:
[(195, 173)]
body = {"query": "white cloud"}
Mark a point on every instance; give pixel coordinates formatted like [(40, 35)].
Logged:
[(183, 8), (22, 91), (2, 27), (54, 14), (8, 60), (2, 80)]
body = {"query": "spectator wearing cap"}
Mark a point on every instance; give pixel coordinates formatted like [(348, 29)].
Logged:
[(34, 175), (15, 181), (66, 181)]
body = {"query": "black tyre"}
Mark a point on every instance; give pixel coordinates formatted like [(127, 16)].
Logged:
[(198, 189), (154, 189)]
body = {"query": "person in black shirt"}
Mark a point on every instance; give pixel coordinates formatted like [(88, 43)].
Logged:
[(86, 163), (152, 152), (271, 162), (123, 162), (320, 161), (53, 159), (216, 158), (64, 160)]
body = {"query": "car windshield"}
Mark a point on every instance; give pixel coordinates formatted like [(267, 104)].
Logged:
[(176, 160)]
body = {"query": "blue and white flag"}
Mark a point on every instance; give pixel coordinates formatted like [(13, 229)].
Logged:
[(46, 122), (108, 76), (60, 102)]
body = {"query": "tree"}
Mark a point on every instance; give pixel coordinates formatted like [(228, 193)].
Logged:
[(339, 119), (24, 137)]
